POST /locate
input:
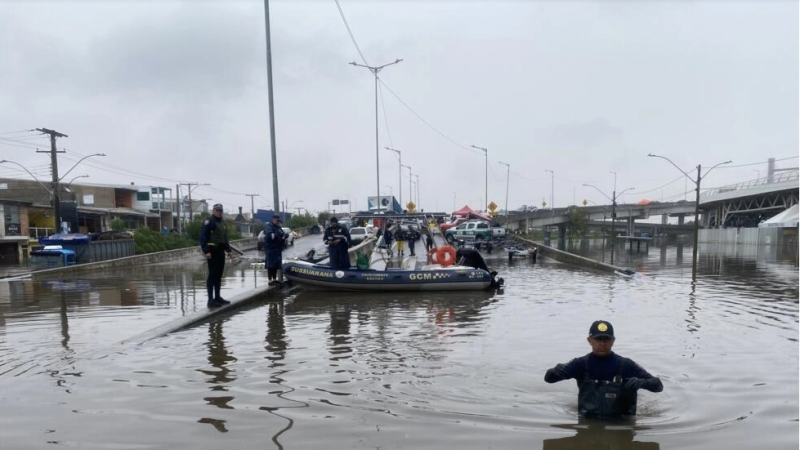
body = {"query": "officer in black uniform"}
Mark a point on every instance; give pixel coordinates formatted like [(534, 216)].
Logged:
[(338, 240), (412, 236), (214, 244), (607, 382), (274, 243)]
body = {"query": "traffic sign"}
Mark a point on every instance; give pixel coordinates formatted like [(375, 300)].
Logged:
[(492, 206), (411, 206)]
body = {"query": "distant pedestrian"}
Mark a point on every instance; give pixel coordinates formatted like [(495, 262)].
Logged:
[(412, 236), (428, 243), (274, 243), (214, 244), (338, 240), (400, 237)]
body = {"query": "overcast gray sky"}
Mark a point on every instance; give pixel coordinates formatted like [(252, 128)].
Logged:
[(176, 92)]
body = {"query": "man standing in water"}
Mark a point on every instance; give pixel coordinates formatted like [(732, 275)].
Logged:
[(214, 245), (607, 382)]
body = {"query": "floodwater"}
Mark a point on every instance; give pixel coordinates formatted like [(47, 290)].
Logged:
[(312, 369)]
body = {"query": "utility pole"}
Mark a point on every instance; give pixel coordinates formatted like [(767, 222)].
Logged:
[(54, 163), (485, 173), (178, 207), (191, 206), (252, 206), (508, 179)]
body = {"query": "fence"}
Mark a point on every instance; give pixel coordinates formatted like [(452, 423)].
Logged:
[(748, 236)]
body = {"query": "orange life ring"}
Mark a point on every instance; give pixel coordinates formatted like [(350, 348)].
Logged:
[(432, 257), (446, 255)]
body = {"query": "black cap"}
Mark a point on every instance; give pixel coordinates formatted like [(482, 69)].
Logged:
[(601, 328), (334, 220), (275, 216), (218, 206)]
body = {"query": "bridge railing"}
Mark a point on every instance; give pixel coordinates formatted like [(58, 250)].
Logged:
[(776, 178)]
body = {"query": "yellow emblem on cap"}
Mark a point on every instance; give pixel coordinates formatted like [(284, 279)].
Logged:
[(602, 327)]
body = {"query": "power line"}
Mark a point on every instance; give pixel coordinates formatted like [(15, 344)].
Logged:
[(352, 38), (428, 123), (755, 164), (385, 118), (16, 132)]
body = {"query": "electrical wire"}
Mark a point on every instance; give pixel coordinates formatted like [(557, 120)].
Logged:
[(385, 118), (754, 164), (471, 150), (350, 32)]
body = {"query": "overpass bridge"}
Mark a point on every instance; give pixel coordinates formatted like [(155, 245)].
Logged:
[(742, 204)]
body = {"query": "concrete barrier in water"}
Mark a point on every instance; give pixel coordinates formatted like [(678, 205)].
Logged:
[(569, 258), (140, 260)]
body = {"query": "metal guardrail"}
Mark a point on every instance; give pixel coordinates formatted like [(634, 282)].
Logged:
[(776, 178)]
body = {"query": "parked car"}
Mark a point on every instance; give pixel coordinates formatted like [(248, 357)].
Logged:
[(478, 230), (289, 240), (456, 221), (292, 235), (358, 235)]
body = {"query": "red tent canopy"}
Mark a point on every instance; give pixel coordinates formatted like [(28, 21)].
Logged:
[(471, 213), (644, 202)]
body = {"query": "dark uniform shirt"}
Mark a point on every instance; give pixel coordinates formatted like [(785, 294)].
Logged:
[(274, 237), (214, 235), (601, 383)]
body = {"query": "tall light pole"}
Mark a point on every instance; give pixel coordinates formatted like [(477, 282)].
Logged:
[(552, 191), (273, 151), (399, 173), (613, 199), (410, 192), (508, 178), (375, 70), (486, 173), (696, 204), (56, 191), (454, 200), (416, 177)]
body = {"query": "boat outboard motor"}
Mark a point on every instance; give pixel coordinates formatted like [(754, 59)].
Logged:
[(472, 258)]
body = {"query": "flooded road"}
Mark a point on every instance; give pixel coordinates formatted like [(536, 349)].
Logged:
[(312, 369)]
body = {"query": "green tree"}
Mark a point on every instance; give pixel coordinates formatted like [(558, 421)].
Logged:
[(118, 225), (148, 241), (301, 221), (323, 217), (578, 222)]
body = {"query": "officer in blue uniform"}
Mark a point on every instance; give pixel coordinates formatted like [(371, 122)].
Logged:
[(338, 240), (214, 245), (274, 243), (607, 382)]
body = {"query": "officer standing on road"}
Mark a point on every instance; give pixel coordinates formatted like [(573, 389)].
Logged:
[(412, 236), (338, 240), (214, 244), (274, 242), (607, 382)]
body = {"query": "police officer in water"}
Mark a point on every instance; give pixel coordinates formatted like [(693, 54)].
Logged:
[(338, 240), (214, 245), (607, 382)]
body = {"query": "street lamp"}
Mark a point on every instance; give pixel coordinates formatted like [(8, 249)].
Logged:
[(399, 173), (416, 177), (552, 190), (29, 173), (696, 204), (70, 181), (410, 191), (486, 172), (375, 71), (613, 199), (508, 178)]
